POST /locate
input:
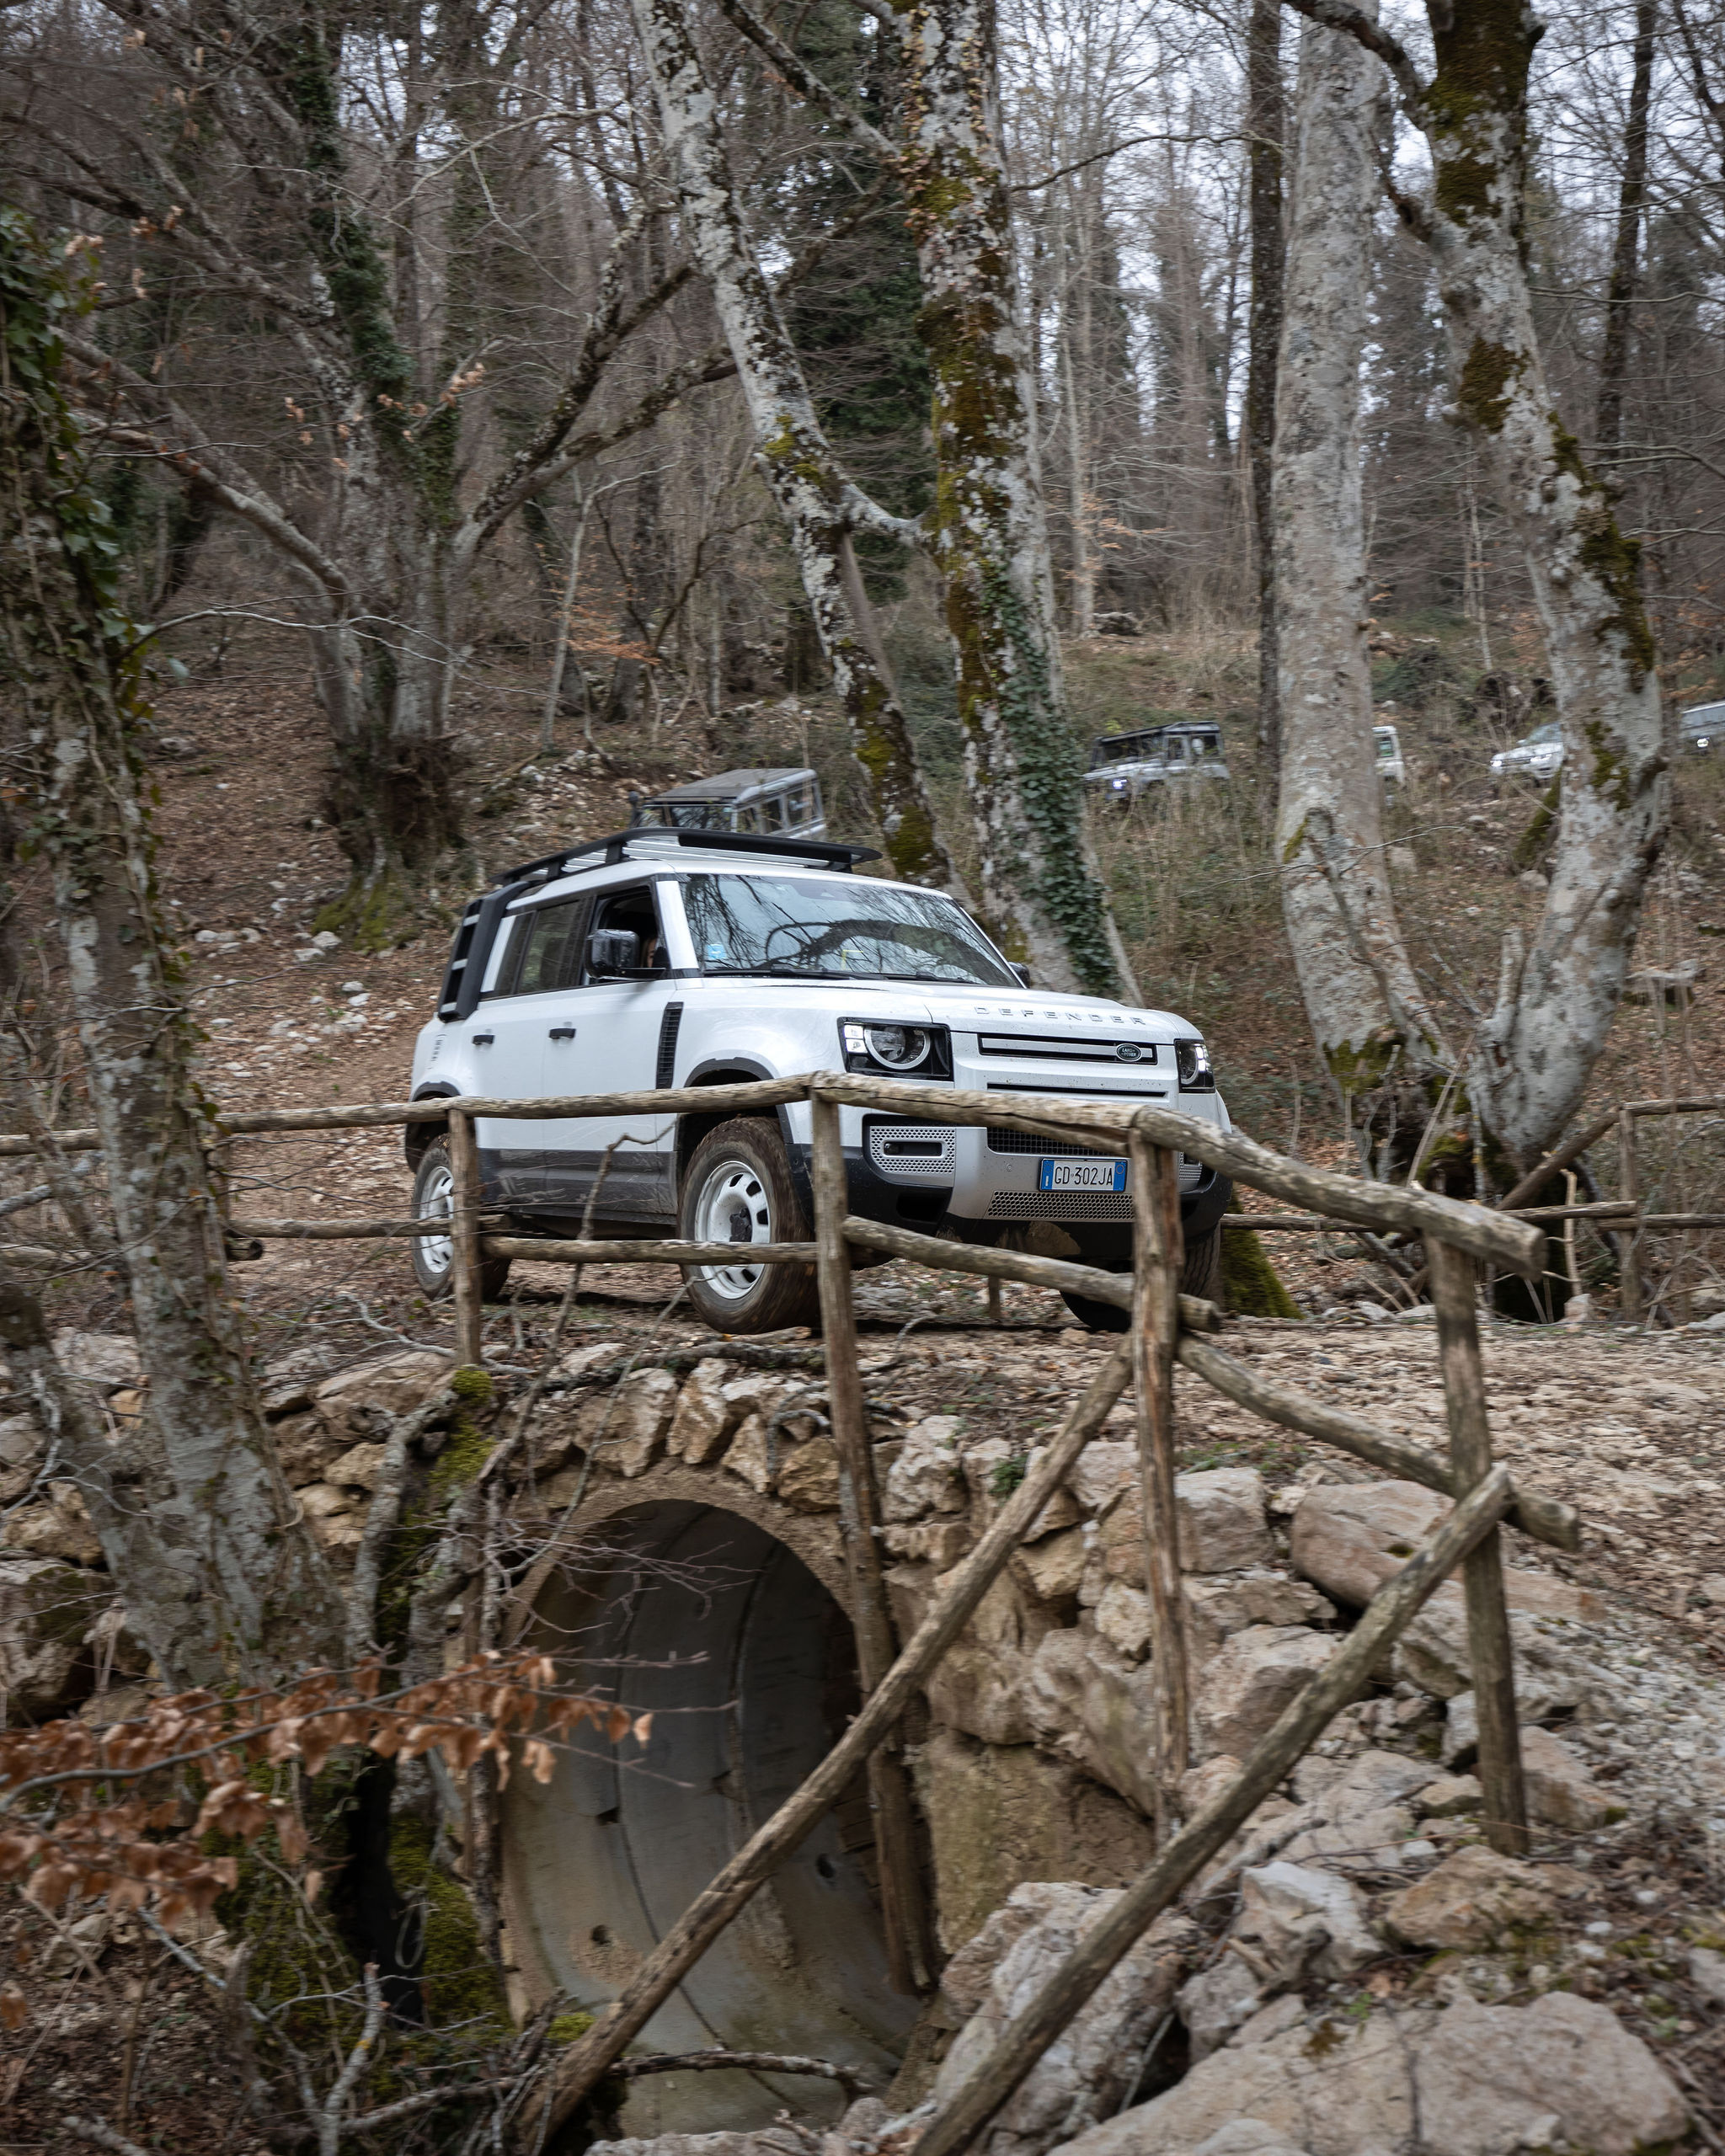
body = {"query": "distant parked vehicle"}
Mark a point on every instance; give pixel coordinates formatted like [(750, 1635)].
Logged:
[(779, 801), (1701, 728), (1538, 755), (1125, 765), (1392, 769)]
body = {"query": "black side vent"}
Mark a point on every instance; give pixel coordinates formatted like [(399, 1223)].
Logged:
[(663, 1071)]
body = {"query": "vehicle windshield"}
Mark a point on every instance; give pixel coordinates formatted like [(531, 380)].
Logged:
[(795, 925), (1552, 730), (1125, 748), (687, 815)]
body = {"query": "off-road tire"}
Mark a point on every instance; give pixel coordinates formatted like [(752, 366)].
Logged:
[(1200, 1275), (740, 1177), (433, 1183)]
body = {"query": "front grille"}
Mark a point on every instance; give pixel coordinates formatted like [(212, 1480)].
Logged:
[(1051, 1148), (913, 1152), (1060, 1205), (1070, 1048)]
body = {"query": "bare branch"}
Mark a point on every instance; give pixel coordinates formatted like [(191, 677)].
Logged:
[(1340, 15), (610, 322), (234, 486), (802, 79)]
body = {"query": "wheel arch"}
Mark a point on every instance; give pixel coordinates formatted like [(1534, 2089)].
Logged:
[(694, 1125), (417, 1138)]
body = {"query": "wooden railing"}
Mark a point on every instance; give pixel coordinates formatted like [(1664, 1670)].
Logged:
[(1166, 1328), (1626, 1215)]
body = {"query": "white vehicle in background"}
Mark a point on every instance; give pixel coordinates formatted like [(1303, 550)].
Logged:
[(778, 801), (1538, 755), (1387, 744), (1125, 765), (658, 958), (1701, 728)]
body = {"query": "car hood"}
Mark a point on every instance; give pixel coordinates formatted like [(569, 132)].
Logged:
[(1033, 1012)]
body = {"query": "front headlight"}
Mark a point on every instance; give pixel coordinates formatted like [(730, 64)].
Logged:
[(895, 1050), (1192, 1059)]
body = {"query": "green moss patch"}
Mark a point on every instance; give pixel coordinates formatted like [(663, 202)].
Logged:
[(456, 1979), (1251, 1286)]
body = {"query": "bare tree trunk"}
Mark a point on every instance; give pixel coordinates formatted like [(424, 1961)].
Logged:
[(1078, 487), (792, 450), (1376, 1036), (253, 1599), (1041, 886), (1265, 124), (560, 656), (1631, 197), (1533, 1054), (1555, 1001)]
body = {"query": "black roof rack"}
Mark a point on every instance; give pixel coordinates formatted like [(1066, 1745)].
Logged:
[(616, 848)]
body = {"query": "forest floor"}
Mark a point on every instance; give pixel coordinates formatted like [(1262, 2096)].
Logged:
[(1630, 1426)]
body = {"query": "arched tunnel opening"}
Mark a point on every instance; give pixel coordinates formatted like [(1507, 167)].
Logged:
[(710, 1620)]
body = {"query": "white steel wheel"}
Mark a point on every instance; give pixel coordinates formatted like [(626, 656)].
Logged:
[(434, 1255), (739, 1189), (733, 1205)]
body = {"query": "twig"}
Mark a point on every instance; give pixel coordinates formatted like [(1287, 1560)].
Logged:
[(328, 2122), (853, 2083), (103, 2134), (455, 2092)]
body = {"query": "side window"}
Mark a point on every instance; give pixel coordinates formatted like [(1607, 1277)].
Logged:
[(746, 818), (772, 813), (634, 909), (550, 948)]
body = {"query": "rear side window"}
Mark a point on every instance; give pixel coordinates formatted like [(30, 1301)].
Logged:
[(549, 941)]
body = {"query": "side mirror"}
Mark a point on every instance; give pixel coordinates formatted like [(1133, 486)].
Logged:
[(1024, 974), (613, 951)]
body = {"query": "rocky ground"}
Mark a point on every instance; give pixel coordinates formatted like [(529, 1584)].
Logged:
[(1356, 1965)]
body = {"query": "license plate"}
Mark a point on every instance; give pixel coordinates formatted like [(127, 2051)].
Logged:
[(1081, 1175)]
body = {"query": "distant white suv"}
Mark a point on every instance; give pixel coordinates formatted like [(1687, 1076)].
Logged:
[(663, 957)]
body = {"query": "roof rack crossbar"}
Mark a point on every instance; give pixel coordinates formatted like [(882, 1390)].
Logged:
[(615, 847)]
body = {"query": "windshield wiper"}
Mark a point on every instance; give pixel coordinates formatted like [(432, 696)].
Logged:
[(776, 973)]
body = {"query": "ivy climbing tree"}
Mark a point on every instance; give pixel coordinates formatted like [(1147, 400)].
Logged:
[(216, 1563), (985, 530)]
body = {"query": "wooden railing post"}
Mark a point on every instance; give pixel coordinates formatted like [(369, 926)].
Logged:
[(1629, 1244), (1157, 1255), (903, 1904), (1489, 1643), (464, 1239)]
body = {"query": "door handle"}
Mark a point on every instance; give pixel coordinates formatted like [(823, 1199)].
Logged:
[(562, 1032), (484, 1040)]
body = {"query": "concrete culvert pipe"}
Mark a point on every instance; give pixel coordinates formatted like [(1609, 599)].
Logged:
[(706, 1616)]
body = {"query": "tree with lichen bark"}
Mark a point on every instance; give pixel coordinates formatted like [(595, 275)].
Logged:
[(821, 509), (217, 1567), (1041, 891), (1533, 1051), (988, 531), (1378, 1037)]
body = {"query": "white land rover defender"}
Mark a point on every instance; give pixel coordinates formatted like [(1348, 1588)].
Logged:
[(676, 958)]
